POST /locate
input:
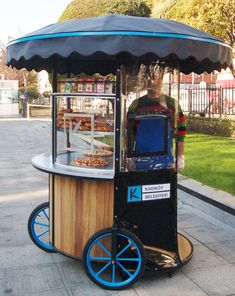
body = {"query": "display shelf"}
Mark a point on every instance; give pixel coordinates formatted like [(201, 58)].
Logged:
[(101, 95), (98, 133)]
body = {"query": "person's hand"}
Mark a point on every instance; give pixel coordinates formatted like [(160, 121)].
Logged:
[(181, 162)]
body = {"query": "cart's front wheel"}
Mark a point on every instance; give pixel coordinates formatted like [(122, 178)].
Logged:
[(38, 227), (105, 270)]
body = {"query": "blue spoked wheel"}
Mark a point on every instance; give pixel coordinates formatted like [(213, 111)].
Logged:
[(38, 227), (127, 266)]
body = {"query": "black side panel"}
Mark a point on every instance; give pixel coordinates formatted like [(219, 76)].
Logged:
[(153, 220)]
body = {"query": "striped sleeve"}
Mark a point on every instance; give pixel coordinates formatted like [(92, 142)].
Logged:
[(181, 120), (181, 126)]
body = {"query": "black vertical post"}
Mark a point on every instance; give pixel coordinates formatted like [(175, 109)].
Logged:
[(54, 152), (177, 105), (116, 162), (54, 111), (177, 117), (53, 129), (68, 76), (117, 140)]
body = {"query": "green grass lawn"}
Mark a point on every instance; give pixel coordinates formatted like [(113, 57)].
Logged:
[(211, 160)]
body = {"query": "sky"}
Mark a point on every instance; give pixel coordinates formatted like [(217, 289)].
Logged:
[(19, 17)]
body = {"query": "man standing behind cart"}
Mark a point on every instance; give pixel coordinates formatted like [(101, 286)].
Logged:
[(154, 102)]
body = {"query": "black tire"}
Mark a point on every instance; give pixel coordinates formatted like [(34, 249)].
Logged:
[(41, 214), (130, 259)]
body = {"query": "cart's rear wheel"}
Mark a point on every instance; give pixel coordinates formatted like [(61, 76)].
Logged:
[(38, 227), (129, 259)]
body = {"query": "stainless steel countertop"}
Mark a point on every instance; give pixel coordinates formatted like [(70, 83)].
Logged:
[(44, 163)]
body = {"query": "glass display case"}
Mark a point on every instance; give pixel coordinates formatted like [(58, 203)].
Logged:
[(84, 131)]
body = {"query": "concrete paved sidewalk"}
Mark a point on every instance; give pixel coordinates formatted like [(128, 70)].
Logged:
[(27, 270)]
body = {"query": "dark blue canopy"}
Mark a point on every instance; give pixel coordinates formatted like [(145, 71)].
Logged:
[(101, 44)]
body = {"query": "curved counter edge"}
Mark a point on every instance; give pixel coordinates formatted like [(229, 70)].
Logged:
[(43, 162)]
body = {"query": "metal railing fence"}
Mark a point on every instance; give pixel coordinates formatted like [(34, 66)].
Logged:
[(208, 101)]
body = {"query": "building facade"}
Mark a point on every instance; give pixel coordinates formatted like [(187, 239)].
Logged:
[(8, 97)]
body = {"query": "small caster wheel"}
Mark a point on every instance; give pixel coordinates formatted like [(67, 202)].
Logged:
[(38, 227), (124, 270)]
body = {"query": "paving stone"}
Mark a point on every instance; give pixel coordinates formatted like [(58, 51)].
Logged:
[(32, 173), (6, 173), (88, 289), (76, 280), (14, 200), (36, 184), (19, 256), (216, 281), (58, 258), (29, 279), (6, 163), (178, 285), (14, 188), (228, 219), (12, 183), (36, 197), (203, 258), (39, 200), (14, 218), (189, 220), (51, 292), (72, 273), (225, 249), (18, 237), (195, 203), (37, 193), (210, 235)]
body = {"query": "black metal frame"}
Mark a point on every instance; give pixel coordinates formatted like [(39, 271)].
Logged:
[(54, 113), (54, 144), (117, 163), (143, 177)]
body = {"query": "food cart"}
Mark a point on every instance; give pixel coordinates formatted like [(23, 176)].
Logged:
[(109, 203)]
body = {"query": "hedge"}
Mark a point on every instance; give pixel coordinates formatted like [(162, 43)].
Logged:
[(211, 126)]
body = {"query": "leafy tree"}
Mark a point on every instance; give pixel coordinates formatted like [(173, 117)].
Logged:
[(215, 17), (160, 7), (46, 94), (32, 94), (78, 9), (150, 3), (13, 74)]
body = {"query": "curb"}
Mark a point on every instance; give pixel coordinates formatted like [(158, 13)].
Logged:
[(214, 203), (219, 205)]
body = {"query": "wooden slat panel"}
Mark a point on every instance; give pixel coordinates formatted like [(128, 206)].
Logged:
[(185, 248), (57, 212), (82, 207)]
